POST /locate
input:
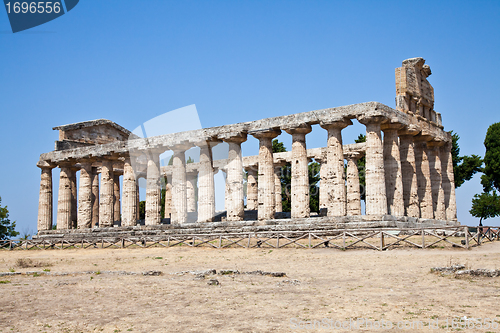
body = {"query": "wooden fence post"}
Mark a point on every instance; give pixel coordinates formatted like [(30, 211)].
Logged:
[(423, 238), (382, 243), (466, 237)]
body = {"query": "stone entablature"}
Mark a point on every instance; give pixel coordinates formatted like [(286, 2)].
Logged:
[(87, 133), (409, 171)]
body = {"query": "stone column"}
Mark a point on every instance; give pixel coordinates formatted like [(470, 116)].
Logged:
[(266, 208), (376, 200), (74, 198), (191, 180), (423, 177), (206, 187), (300, 178), (138, 214), (168, 197), (179, 197), (64, 199), (448, 182), (85, 195), (116, 196), (153, 188), (334, 169), (106, 208), (393, 176), (277, 186), (408, 171), (235, 205), (45, 198), (95, 197), (436, 180), (323, 192), (129, 199), (252, 191), (353, 194)]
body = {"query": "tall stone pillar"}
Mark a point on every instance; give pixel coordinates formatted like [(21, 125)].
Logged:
[(376, 200), (206, 187), (168, 197), (106, 208), (277, 186), (191, 180), (179, 196), (353, 194), (323, 191), (266, 198), (393, 176), (116, 197), (252, 191), (235, 205), (129, 199), (436, 180), (408, 171), (423, 177), (95, 197), (448, 182), (64, 198), (334, 169), (85, 195), (153, 188), (138, 214), (45, 198), (300, 178), (74, 198)]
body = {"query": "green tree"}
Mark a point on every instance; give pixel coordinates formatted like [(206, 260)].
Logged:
[(485, 205), (362, 169), (278, 147), (491, 173), (142, 210), (7, 228), (464, 167)]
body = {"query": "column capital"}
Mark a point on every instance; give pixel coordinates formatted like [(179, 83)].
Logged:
[(372, 119), (423, 138), (391, 126), (353, 155), (267, 133), (409, 130), (46, 165), (300, 129), (341, 123), (233, 137), (181, 147), (435, 144)]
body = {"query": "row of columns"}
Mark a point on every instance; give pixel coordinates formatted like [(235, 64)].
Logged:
[(406, 174)]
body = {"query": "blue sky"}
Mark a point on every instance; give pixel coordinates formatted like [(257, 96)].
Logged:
[(130, 61)]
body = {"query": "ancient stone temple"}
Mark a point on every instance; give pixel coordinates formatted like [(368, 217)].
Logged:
[(409, 171)]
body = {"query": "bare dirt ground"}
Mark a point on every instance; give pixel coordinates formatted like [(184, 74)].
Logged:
[(321, 287)]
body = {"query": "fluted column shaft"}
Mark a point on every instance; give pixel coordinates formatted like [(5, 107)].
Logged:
[(252, 190), (436, 181), (376, 200), (179, 195), (74, 198), (191, 179), (116, 197), (423, 179), (300, 178), (45, 200), (85, 196), (95, 197), (235, 197), (353, 205), (129, 198), (153, 189), (448, 182), (393, 176), (64, 199), (106, 208), (409, 176), (323, 192), (277, 188), (206, 187), (334, 179), (266, 197), (168, 197), (138, 214)]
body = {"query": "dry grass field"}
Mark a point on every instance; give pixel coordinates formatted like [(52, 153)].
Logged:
[(322, 286)]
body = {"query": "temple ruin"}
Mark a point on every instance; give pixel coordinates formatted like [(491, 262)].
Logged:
[(409, 170)]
